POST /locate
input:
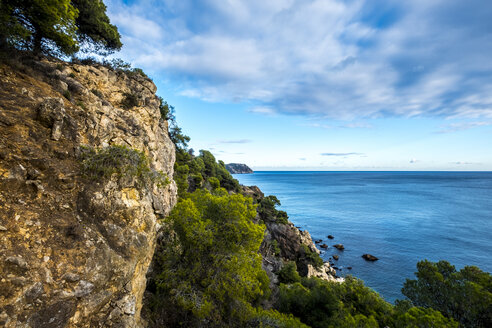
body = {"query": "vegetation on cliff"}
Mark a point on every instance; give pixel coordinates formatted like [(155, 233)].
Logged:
[(208, 269)]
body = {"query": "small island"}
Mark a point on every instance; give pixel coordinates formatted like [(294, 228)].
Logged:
[(237, 168)]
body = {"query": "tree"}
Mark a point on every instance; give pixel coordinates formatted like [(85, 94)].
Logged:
[(212, 271), (464, 295), (41, 25), (94, 27), (57, 26)]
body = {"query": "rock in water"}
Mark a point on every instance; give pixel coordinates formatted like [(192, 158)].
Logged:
[(330, 237), (369, 257), (237, 168), (324, 246), (339, 247), (335, 257)]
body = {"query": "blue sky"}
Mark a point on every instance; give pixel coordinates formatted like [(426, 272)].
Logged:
[(322, 85)]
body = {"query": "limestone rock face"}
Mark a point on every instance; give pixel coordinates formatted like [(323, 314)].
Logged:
[(74, 252)]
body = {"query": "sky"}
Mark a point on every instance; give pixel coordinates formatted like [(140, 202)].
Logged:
[(321, 85)]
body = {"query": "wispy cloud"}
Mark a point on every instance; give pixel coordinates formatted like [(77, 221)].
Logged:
[(463, 163), (262, 110), (238, 141), (454, 127), (340, 59), (341, 154), (413, 161)]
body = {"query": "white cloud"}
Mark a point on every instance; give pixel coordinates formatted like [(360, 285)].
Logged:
[(338, 59), (460, 126)]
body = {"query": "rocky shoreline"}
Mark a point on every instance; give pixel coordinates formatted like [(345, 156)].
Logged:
[(284, 242)]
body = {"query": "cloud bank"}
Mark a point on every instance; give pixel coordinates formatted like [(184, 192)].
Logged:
[(327, 58)]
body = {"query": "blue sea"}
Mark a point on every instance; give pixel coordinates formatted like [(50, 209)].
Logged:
[(400, 217)]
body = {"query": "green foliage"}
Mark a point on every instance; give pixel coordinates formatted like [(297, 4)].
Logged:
[(94, 27), (214, 182), (167, 111), (275, 248), (178, 138), (56, 26), (129, 101), (120, 161), (311, 256), (323, 304), (212, 271), (40, 25), (67, 94), (273, 319), (464, 295), (288, 274), (268, 212)]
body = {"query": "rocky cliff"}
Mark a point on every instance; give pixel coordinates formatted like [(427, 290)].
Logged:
[(282, 243), (74, 250), (236, 168)]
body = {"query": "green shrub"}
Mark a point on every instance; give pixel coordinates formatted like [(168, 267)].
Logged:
[(323, 304), (81, 105), (312, 257), (214, 182), (211, 273), (120, 161), (129, 101), (268, 212), (67, 94), (275, 248), (464, 295), (288, 274)]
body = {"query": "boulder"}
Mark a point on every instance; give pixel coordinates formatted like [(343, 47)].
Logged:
[(339, 247), (330, 237), (369, 257), (335, 257), (324, 246)]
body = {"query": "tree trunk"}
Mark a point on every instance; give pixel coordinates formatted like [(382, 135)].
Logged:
[(37, 42)]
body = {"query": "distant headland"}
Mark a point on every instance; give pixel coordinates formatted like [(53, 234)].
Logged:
[(237, 168)]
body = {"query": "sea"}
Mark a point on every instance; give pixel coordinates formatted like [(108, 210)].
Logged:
[(399, 217)]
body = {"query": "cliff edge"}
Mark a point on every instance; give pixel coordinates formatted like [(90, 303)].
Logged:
[(75, 247)]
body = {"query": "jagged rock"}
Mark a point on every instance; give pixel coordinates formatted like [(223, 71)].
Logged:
[(71, 277), (253, 192), (18, 261), (339, 247), (369, 257)]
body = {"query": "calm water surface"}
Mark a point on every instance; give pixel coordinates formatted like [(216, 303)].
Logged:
[(400, 217)]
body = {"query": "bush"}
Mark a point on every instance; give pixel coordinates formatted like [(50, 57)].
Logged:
[(130, 100), (312, 257), (288, 274), (268, 212), (323, 304), (211, 273), (464, 295), (67, 94), (120, 161)]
